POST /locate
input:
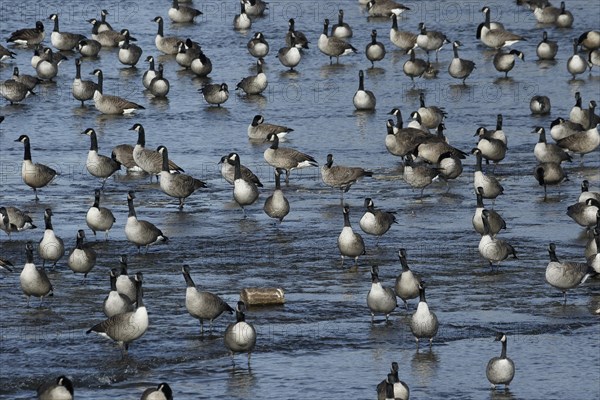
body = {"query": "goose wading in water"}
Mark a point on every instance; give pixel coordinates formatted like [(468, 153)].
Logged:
[(116, 303), (423, 323), (500, 370), (82, 258), (34, 281), (176, 185), (380, 299), (286, 158), (245, 192), (141, 232), (566, 275), (150, 161), (376, 222), (202, 305), (96, 164), (111, 105), (492, 249), (127, 327), (407, 283), (34, 175), (399, 389), (162, 392), (60, 388), (350, 244), (277, 206), (333, 46), (341, 177), (51, 248), (99, 219), (240, 337)]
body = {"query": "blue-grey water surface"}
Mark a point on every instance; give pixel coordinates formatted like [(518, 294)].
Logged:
[(321, 344)]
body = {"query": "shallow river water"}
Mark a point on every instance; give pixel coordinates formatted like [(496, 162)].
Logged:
[(321, 343)]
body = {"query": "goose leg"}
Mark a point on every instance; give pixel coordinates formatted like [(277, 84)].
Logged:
[(565, 295), (417, 340), (342, 262), (201, 327), (372, 318), (405, 304), (35, 193), (181, 203), (105, 235)]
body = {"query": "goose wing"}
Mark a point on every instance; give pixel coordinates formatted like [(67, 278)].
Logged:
[(122, 103)]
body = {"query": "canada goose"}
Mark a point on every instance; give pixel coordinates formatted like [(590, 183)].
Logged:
[(495, 221), (186, 53), (430, 40), (111, 105), (564, 19), (255, 8), (546, 14), (104, 25), (350, 244), (6, 54), (27, 80), (116, 303), (245, 191), (431, 116), (540, 105), (82, 258), (414, 67), (333, 46), (96, 164), (34, 175), (546, 49), (341, 177), (460, 68), (300, 40), (500, 370), (242, 21), (159, 86), (14, 91), (179, 13), (560, 128), (201, 65), (417, 122), (129, 54), (51, 248), (418, 176), (404, 40), (397, 388), (591, 250), (123, 154), (47, 68), (277, 206), (548, 152), (28, 36), (581, 142), (40, 53), (376, 222), (566, 275), (167, 45), (586, 194), (504, 62), (6, 265), (240, 337), (150, 73), (202, 305), (423, 323), (162, 392), (341, 30), (363, 99), (433, 147), (254, 84), (380, 299), (487, 24), (290, 56), (585, 214), (492, 149), (498, 38), (490, 185), (258, 46), (82, 90), (34, 281), (140, 232), (150, 161), (176, 185), (576, 64), (407, 283), (594, 58), (492, 249), (60, 388), (449, 165), (375, 51), (549, 173), (108, 38), (228, 171), (127, 327), (14, 220), (591, 119), (586, 118), (286, 158), (99, 218), (590, 40), (89, 47), (259, 130), (215, 93), (125, 284), (404, 140), (385, 8), (63, 40)]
